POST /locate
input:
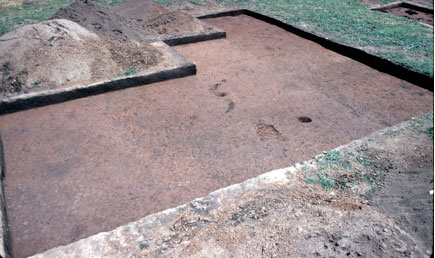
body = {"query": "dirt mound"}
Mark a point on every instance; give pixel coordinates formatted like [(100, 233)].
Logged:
[(140, 10), (60, 53), (103, 21), (159, 20), (135, 20)]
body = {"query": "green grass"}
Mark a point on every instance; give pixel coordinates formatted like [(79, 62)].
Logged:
[(404, 41), (424, 124), (197, 2), (17, 16), (341, 169), (143, 245), (127, 73), (327, 181)]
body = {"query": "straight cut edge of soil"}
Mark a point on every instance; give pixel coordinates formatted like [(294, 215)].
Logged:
[(174, 66), (372, 60), (38, 99), (3, 219), (174, 231)]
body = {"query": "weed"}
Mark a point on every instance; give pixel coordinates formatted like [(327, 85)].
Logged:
[(143, 245), (127, 73)]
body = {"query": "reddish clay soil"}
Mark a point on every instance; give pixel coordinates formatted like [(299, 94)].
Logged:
[(89, 165), (412, 14)]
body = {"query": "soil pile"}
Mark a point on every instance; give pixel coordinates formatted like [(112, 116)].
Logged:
[(60, 53), (140, 10), (135, 20), (161, 21), (103, 21)]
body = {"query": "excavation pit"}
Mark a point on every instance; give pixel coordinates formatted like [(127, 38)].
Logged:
[(92, 164), (409, 10)]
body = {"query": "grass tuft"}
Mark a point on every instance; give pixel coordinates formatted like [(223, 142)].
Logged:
[(127, 73), (343, 169), (143, 245)]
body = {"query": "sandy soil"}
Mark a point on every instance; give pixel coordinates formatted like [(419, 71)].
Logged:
[(60, 53)]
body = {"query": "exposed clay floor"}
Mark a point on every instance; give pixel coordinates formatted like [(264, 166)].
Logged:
[(92, 164)]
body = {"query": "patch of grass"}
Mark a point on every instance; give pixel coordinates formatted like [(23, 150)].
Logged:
[(325, 180), (164, 1), (16, 16), (424, 124), (398, 39), (109, 3), (341, 169), (334, 160), (13, 17), (197, 2), (143, 245), (391, 132), (127, 73)]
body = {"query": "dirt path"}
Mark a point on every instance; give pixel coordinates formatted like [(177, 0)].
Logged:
[(93, 164)]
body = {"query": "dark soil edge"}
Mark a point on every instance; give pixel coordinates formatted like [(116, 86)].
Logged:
[(3, 219), (195, 38), (43, 99), (376, 62)]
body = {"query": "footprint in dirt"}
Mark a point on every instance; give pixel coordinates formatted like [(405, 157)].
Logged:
[(214, 89), (268, 131), (230, 107)]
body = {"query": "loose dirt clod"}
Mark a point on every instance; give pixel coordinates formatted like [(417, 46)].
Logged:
[(60, 53)]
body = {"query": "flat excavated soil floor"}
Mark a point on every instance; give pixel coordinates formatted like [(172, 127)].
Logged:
[(89, 165)]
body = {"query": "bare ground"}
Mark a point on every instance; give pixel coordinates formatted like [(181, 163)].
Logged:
[(279, 214), (134, 152)]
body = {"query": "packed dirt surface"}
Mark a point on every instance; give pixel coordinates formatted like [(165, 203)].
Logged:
[(60, 53), (411, 14), (135, 20), (282, 214), (130, 153)]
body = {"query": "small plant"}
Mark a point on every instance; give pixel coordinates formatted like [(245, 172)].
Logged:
[(325, 180), (127, 73), (143, 245)]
